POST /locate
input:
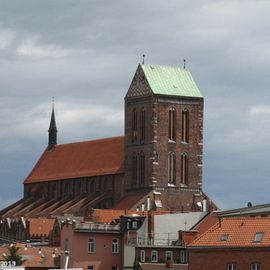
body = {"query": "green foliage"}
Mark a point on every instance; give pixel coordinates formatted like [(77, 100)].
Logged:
[(14, 256)]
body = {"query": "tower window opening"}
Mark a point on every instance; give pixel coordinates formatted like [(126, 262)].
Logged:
[(134, 125), (142, 168), (171, 168), (134, 168), (185, 126), (184, 169), (172, 123), (142, 125)]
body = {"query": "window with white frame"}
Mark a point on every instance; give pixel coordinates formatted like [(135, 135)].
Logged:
[(255, 266), (91, 245), (134, 224), (154, 256), (258, 236), (231, 266), (142, 256), (183, 256), (90, 267), (115, 246), (168, 255)]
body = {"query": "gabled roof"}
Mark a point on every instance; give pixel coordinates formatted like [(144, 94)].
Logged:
[(163, 80), (236, 232), (173, 81), (81, 159)]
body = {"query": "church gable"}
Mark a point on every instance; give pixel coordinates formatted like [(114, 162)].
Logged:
[(139, 85)]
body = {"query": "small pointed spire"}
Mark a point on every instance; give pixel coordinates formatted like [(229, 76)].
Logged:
[(143, 56), (52, 130), (184, 63)]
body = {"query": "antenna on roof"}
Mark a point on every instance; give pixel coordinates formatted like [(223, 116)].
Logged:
[(184, 63), (143, 56)]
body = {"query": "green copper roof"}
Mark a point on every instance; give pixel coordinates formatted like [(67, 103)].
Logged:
[(171, 81)]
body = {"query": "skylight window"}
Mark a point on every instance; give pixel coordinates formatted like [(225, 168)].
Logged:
[(258, 237), (224, 237)]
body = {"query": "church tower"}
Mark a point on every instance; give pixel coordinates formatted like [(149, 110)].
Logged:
[(163, 134)]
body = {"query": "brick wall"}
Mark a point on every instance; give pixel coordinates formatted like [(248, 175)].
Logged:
[(218, 259)]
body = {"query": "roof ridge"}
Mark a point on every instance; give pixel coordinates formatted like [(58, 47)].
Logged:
[(95, 140), (165, 66)]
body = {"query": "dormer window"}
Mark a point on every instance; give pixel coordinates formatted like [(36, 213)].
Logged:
[(224, 237), (134, 224), (258, 236)]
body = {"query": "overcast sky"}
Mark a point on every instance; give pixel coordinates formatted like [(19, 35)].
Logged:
[(85, 53)]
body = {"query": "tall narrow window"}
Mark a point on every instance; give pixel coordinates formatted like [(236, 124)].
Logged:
[(185, 126), (91, 245), (231, 266), (154, 256), (255, 266), (171, 168), (134, 125), (172, 122), (168, 255), (142, 168), (134, 168), (142, 125), (184, 169), (142, 257), (115, 246)]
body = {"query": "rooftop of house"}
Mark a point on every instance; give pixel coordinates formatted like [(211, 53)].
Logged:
[(81, 159), (236, 232), (250, 210), (35, 257)]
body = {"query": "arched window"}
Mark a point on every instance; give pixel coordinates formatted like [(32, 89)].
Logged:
[(172, 123), (171, 168), (185, 126), (134, 125), (184, 169), (142, 168), (134, 168), (142, 125)]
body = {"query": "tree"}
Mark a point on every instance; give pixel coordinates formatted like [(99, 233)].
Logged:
[(14, 255)]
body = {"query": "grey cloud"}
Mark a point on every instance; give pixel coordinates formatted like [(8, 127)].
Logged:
[(84, 53)]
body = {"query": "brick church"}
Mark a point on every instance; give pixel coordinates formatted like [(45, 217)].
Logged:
[(156, 165)]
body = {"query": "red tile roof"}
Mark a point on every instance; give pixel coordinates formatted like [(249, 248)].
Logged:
[(131, 199), (108, 215), (206, 223), (105, 215), (40, 226), (82, 159), (33, 258), (241, 233)]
